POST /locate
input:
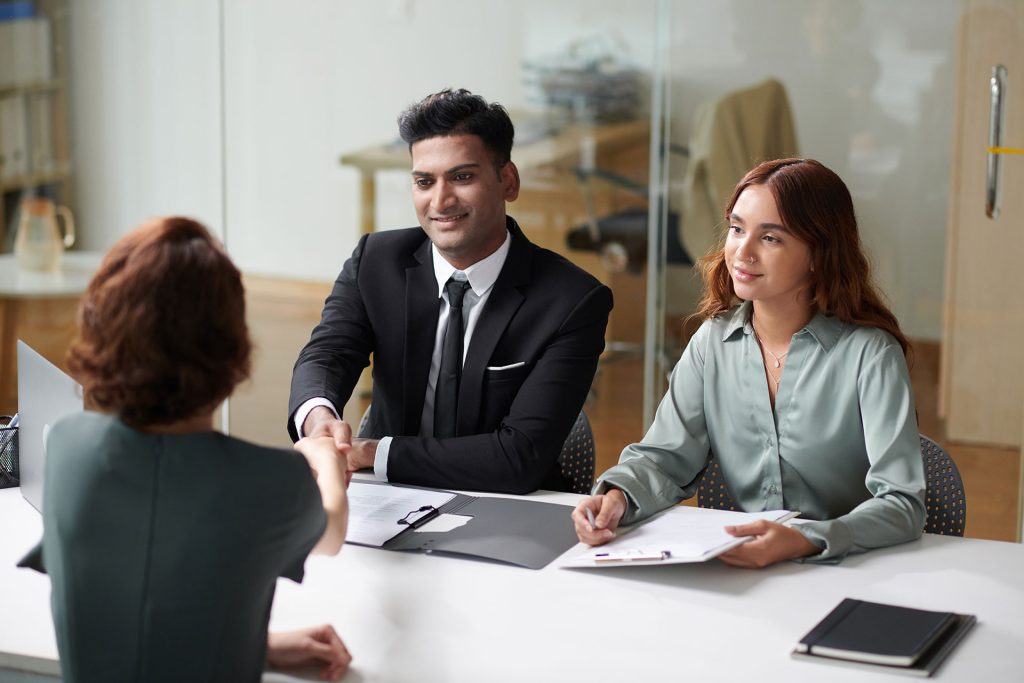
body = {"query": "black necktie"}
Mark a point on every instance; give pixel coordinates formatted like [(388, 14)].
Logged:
[(446, 394)]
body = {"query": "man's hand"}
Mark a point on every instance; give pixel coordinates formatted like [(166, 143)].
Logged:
[(773, 542), (362, 454), (309, 646), (607, 510), (322, 422)]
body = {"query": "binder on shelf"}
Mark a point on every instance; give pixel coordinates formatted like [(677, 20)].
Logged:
[(884, 637), (13, 138), (518, 531)]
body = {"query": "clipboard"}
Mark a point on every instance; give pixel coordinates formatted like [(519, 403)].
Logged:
[(525, 533), (679, 535)]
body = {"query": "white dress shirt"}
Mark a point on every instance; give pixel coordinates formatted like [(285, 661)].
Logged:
[(481, 276)]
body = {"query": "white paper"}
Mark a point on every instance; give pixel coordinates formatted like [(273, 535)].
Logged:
[(682, 534), (374, 510), (444, 523)]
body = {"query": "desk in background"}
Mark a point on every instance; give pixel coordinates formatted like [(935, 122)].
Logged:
[(39, 308), (413, 617), (534, 152)]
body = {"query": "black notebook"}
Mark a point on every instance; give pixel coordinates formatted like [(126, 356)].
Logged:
[(898, 639)]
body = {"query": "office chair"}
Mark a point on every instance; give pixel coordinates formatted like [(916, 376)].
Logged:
[(576, 460), (944, 497), (944, 493), (578, 455)]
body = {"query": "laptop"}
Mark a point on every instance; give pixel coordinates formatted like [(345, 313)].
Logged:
[(45, 394)]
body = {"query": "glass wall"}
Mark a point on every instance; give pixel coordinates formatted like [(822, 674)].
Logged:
[(274, 123)]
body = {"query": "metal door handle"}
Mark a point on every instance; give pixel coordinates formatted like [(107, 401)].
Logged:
[(997, 84)]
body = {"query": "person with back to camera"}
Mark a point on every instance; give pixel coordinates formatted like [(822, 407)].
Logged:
[(163, 538), (796, 382)]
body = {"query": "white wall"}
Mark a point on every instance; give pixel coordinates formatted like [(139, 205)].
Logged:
[(308, 80), (145, 114)]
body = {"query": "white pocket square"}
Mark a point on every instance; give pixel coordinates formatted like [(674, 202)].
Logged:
[(499, 368)]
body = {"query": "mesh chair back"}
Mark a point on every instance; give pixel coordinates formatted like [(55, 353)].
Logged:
[(364, 420), (711, 492), (577, 457), (944, 491)]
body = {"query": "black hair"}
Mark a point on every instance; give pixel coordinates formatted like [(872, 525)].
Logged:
[(459, 112)]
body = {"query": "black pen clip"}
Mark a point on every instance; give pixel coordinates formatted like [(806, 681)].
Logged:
[(428, 513)]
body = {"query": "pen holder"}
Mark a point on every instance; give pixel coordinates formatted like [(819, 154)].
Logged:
[(8, 454)]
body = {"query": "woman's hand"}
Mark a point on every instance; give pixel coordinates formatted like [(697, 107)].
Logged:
[(773, 542), (309, 646), (607, 510)]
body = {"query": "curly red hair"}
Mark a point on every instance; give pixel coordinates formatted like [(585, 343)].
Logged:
[(162, 334), (815, 205)]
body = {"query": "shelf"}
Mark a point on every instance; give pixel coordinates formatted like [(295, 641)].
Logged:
[(62, 173), (51, 85)]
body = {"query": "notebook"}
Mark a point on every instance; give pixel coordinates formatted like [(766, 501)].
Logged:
[(898, 639)]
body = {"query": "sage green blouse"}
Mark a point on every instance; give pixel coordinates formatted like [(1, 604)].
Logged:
[(841, 446)]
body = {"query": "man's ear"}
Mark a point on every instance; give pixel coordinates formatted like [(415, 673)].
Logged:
[(510, 181)]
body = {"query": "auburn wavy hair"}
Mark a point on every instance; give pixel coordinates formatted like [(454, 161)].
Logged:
[(162, 334), (816, 207)]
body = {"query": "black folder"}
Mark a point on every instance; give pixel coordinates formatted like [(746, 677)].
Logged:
[(518, 531)]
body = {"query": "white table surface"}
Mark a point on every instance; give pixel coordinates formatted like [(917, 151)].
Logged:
[(77, 268), (413, 617)]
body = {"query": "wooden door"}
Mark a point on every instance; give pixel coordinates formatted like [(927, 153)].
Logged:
[(983, 347)]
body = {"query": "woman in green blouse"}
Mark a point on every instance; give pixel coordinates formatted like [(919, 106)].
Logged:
[(164, 538), (796, 382)]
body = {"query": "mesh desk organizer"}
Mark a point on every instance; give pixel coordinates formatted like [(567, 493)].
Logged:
[(8, 454)]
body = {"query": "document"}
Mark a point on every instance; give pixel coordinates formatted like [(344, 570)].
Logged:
[(376, 514), (680, 534)]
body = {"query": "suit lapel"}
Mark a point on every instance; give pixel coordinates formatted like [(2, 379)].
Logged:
[(505, 300), (421, 310)]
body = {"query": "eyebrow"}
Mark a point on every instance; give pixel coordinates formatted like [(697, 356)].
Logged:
[(453, 169), (764, 226)]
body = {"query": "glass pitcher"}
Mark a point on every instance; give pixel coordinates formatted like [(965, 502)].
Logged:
[(38, 242)]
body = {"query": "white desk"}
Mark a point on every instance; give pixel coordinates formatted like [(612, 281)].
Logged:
[(408, 617)]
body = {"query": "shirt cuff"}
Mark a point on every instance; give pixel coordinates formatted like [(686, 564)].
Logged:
[(306, 408), (380, 458)]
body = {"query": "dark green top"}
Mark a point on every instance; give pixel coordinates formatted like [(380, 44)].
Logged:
[(164, 550)]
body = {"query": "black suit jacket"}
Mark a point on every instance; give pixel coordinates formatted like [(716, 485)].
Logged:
[(543, 311)]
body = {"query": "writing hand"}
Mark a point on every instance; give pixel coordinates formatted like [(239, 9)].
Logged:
[(607, 509)]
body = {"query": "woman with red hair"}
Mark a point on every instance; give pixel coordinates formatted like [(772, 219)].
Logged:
[(796, 382), (163, 538)]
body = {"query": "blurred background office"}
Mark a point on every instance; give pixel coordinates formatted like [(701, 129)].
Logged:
[(274, 123)]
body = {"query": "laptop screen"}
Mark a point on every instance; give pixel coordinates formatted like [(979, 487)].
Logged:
[(45, 394)]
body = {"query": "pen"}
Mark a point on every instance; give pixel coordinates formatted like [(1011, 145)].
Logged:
[(590, 518), (633, 556)]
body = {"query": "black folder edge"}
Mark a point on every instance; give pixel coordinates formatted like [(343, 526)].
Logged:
[(926, 665), (521, 532)]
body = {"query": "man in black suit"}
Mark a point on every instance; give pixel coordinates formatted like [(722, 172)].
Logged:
[(484, 345)]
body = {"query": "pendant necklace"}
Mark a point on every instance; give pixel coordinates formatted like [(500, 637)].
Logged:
[(778, 359)]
